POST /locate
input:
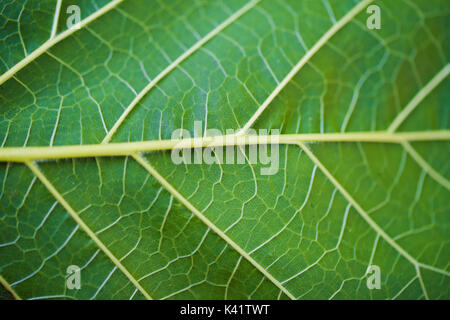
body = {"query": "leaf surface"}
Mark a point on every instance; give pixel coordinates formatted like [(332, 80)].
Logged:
[(140, 226)]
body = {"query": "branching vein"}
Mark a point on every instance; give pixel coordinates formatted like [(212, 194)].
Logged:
[(319, 44), (34, 168), (418, 98), (176, 63), (54, 40), (205, 220), (6, 285)]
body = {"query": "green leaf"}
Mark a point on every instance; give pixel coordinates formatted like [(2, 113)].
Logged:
[(86, 123)]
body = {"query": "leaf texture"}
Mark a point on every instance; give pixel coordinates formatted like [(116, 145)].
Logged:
[(141, 227)]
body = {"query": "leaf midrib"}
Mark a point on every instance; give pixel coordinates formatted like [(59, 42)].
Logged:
[(21, 154)]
